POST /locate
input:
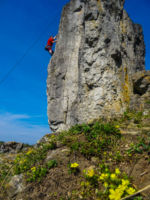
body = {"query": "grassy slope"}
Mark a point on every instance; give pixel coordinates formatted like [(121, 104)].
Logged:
[(98, 148)]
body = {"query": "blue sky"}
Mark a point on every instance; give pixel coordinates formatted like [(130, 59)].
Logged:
[(23, 102)]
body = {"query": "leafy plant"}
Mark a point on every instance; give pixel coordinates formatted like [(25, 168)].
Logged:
[(102, 183), (4, 169), (24, 161), (147, 102), (52, 164), (36, 173), (98, 137), (139, 147)]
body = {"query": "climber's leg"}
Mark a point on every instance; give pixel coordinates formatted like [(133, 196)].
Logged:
[(51, 52)]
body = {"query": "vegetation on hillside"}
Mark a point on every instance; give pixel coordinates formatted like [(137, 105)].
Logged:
[(99, 163)]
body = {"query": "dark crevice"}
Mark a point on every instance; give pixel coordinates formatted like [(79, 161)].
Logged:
[(117, 58), (140, 90), (90, 86), (107, 40), (91, 16), (78, 9), (137, 42)]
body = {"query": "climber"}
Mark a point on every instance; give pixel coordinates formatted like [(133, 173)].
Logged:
[(49, 45)]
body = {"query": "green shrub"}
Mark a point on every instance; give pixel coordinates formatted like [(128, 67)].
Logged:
[(97, 138), (4, 170), (36, 173), (24, 161), (139, 147), (52, 164)]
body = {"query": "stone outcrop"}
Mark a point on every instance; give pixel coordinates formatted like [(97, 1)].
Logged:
[(11, 147), (140, 98), (99, 49)]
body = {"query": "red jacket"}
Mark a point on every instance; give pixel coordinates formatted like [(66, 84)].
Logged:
[(50, 41)]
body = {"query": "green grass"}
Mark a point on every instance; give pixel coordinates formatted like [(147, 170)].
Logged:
[(52, 164), (97, 139), (132, 115), (91, 139), (143, 145), (24, 161)]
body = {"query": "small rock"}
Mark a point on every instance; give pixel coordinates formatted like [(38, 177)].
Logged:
[(11, 147), (59, 144), (44, 139), (58, 153), (69, 194), (80, 196), (15, 185), (146, 112), (94, 160)]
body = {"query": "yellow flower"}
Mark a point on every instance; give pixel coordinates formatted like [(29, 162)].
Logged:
[(117, 126), (115, 194), (113, 177), (105, 184), (117, 171), (103, 176), (90, 173), (53, 136), (29, 151), (121, 188), (130, 190), (74, 165), (125, 182), (33, 169)]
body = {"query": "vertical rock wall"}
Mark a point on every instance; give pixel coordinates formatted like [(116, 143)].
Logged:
[(90, 74)]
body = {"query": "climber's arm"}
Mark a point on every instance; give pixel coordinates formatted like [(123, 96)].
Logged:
[(55, 37)]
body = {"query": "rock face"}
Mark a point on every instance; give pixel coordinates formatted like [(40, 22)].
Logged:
[(99, 49), (141, 91), (11, 147)]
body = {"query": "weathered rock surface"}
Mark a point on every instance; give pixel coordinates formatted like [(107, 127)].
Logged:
[(99, 49), (11, 147), (141, 91), (15, 186)]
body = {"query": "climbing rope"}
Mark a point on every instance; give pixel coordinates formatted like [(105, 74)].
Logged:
[(28, 50)]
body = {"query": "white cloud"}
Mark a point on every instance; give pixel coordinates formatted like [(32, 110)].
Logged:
[(15, 127)]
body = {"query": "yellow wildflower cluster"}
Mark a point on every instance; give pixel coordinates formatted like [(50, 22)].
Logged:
[(74, 165), (120, 190), (130, 190), (125, 182), (113, 177), (103, 176), (115, 194), (105, 184), (33, 169), (117, 171), (30, 151), (90, 173), (110, 182)]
